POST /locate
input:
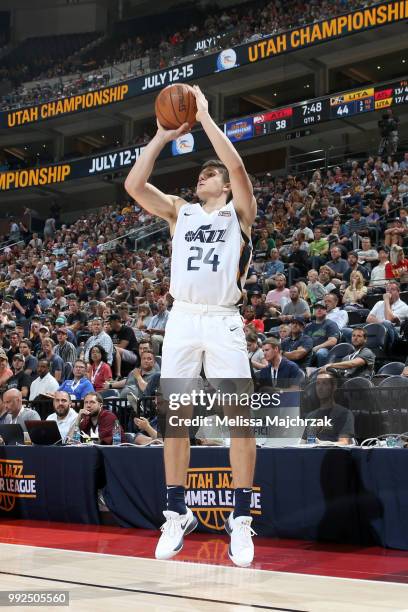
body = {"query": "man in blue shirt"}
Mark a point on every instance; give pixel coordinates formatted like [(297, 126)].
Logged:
[(298, 346), (80, 385), (280, 372), (324, 333)]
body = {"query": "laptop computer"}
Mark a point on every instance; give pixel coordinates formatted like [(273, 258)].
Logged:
[(43, 432), (12, 433)]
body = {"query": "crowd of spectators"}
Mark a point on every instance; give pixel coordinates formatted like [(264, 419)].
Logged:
[(83, 311), (160, 49)]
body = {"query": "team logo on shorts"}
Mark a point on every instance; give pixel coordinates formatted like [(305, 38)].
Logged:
[(205, 234), (210, 495)]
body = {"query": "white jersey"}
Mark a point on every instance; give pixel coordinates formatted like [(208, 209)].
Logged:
[(210, 256)]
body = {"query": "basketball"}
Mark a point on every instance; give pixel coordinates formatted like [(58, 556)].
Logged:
[(176, 105)]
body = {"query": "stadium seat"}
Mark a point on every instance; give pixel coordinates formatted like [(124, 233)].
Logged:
[(371, 299), (339, 351), (358, 394), (357, 317), (392, 396), (392, 369), (376, 336), (109, 393)]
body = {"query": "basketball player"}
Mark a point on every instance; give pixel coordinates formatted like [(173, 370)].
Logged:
[(211, 251)]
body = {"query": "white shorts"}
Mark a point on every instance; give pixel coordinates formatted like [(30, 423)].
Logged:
[(200, 335)]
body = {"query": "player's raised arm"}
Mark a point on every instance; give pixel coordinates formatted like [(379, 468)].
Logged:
[(241, 186), (149, 197)]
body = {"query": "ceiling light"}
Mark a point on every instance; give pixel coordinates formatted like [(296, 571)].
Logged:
[(378, 67)]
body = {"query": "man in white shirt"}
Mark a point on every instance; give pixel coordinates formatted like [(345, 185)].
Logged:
[(45, 383), (334, 313), (377, 278), (65, 416), (391, 311)]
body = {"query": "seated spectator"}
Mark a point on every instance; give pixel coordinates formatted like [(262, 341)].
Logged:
[(278, 297), (298, 346), (284, 331), (324, 334), (124, 342), (138, 379), (297, 261), (76, 319), (405, 370), (56, 363), (99, 370), (5, 371), (357, 224), (35, 336), (79, 386), (45, 383), (354, 266), (280, 373), (358, 363), (99, 337), (273, 267), (336, 264), (355, 292), (20, 380), (64, 349), (367, 255), (397, 267), (326, 275), (13, 401), (5, 417), (391, 311), (30, 366), (341, 428), (157, 326), (250, 322), (147, 432), (144, 316), (304, 229), (296, 307), (64, 415), (14, 346), (333, 312), (319, 249), (316, 291), (255, 352), (378, 274), (256, 301), (96, 421)]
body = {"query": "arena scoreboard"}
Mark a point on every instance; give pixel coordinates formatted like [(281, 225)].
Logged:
[(328, 108)]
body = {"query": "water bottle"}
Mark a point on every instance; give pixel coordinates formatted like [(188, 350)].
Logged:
[(311, 438), (356, 241), (76, 435), (116, 434)]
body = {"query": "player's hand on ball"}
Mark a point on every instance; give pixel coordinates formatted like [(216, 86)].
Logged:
[(201, 101), (169, 135)]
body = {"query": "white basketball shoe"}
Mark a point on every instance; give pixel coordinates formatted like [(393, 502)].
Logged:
[(241, 548), (173, 532)]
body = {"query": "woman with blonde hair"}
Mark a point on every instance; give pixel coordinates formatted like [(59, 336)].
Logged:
[(355, 292), (303, 292)]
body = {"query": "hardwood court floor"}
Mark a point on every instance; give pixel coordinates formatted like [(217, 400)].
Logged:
[(109, 568)]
